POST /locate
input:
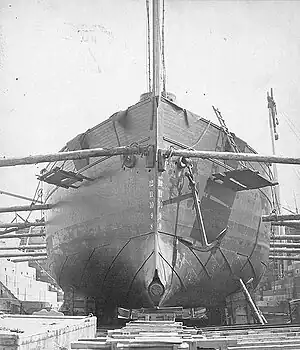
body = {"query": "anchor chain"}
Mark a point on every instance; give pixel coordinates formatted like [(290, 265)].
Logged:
[(187, 163)]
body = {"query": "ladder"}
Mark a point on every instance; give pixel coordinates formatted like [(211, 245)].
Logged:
[(230, 138)]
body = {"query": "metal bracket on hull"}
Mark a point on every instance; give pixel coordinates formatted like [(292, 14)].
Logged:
[(62, 178)]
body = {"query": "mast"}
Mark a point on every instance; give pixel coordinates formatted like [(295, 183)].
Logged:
[(156, 63), (273, 121), (274, 136)]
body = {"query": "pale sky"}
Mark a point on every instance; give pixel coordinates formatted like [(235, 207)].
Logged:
[(65, 66)]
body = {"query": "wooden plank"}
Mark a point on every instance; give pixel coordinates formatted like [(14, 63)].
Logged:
[(90, 345)]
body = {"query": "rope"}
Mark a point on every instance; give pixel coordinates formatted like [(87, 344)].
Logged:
[(148, 74)]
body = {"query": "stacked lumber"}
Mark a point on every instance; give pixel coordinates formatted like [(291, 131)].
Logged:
[(258, 338), (154, 335)]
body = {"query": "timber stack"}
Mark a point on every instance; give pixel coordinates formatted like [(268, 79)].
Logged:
[(173, 335)]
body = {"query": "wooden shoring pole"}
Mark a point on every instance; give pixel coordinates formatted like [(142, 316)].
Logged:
[(26, 208), (29, 259), (282, 257), (23, 224), (270, 218), (22, 235), (20, 197), (71, 155), (285, 237), (284, 245), (251, 157), (254, 308), (285, 250), (286, 223), (33, 246), (16, 255)]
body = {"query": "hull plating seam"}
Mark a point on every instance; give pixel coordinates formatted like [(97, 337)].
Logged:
[(134, 277), (85, 266), (199, 261), (119, 253)]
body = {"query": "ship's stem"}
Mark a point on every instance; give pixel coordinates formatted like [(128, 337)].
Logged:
[(156, 48)]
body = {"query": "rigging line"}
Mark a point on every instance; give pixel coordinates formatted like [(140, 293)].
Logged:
[(292, 128), (289, 210), (202, 135), (148, 48), (163, 47), (296, 172), (290, 120)]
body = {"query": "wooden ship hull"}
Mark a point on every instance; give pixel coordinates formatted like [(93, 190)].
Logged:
[(129, 236)]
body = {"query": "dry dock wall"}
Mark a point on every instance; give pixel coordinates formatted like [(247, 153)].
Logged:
[(35, 332)]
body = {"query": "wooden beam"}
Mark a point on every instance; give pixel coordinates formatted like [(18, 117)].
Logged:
[(16, 255), (290, 223), (22, 224), (26, 208), (20, 197), (285, 237), (250, 157), (71, 155), (282, 257), (270, 218), (284, 245), (6, 235), (33, 246), (29, 259), (285, 250)]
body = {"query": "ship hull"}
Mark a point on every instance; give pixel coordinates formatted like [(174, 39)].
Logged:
[(108, 238)]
